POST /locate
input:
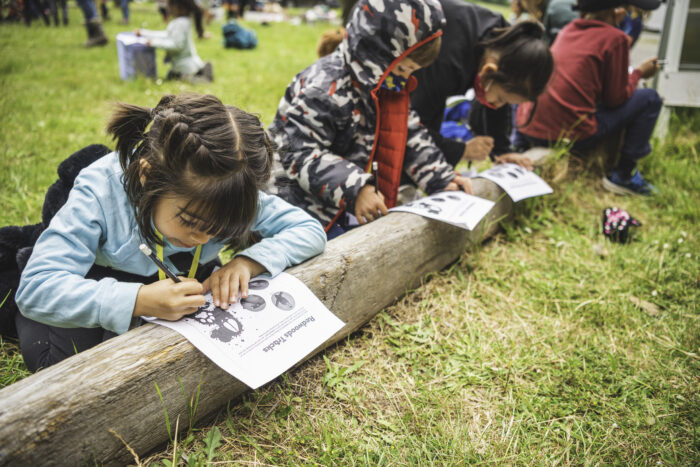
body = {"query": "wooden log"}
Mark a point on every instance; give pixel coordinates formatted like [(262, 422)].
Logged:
[(68, 414)]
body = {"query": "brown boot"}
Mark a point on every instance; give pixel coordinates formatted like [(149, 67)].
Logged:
[(95, 34)]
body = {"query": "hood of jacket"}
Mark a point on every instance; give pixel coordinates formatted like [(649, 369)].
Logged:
[(381, 33)]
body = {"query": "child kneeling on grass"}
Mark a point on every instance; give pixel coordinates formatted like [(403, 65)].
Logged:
[(592, 95), (505, 65), (178, 41), (186, 180), (351, 108)]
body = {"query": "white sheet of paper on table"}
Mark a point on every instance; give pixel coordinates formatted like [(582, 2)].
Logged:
[(453, 207), (260, 337), (129, 38), (517, 182)]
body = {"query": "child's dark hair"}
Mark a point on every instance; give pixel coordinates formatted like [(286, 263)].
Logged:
[(525, 63), (215, 156), (187, 8), (427, 53)]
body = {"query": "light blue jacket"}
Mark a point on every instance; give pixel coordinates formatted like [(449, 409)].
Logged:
[(97, 226)]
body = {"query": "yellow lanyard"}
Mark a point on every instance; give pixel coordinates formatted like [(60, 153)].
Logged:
[(195, 260)]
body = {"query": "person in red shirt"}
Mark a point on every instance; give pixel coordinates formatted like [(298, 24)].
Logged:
[(592, 94)]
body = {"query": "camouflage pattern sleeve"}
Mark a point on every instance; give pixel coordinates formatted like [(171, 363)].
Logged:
[(310, 123), (424, 162)]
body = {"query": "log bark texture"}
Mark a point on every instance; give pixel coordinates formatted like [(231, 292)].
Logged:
[(67, 414)]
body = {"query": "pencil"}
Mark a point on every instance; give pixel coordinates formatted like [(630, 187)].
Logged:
[(375, 169), (148, 252)]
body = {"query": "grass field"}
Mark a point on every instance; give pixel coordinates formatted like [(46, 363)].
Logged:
[(546, 345)]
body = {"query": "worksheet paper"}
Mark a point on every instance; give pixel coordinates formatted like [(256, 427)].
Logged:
[(517, 182), (454, 207), (129, 38), (260, 337)]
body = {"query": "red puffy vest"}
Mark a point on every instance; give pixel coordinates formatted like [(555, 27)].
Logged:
[(390, 146)]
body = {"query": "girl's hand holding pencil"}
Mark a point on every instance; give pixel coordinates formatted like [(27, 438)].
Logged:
[(169, 300)]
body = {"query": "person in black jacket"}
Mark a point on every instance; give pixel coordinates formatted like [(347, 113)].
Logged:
[(504, 64)]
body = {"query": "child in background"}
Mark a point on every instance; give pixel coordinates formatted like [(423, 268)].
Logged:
[(96, 35), (351, 108), (186, 180), (329, 41), (178, 41), (593, 95), (503, 64)]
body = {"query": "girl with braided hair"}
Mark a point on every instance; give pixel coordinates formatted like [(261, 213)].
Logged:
[(186, 179)]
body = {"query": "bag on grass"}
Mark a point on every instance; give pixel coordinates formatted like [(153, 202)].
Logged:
[(617, 223), (238, 37)]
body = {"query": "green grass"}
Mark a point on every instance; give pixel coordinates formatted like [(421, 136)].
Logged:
[(528, 350), (57, 95)]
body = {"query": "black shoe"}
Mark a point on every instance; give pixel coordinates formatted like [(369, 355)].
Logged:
[(95, 34)]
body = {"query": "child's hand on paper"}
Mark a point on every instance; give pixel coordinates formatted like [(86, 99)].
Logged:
[(369, 204), (460, 183), (225, 283), (514, 158), (169, 300)]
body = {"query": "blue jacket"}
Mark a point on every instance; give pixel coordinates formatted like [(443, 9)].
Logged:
[(97, 226)]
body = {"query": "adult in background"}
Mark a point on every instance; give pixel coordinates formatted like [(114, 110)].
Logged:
[(34, 9), (593, 94), (96, 35), (104, 9), (55, 6), (124, 4), (504, 64)]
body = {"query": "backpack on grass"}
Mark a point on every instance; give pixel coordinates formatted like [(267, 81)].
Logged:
[(238, 37)]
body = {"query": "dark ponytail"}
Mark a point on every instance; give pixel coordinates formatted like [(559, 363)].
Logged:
[(127, 126), (187, 8), (215, 157), (525, 63)]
